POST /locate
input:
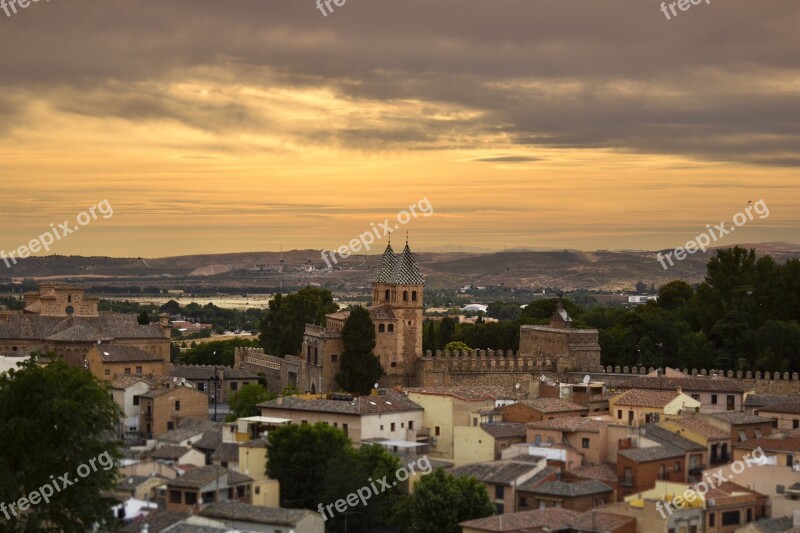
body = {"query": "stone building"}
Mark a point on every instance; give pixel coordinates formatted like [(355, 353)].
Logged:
[(396, 312), (60, 318), (567, 347)]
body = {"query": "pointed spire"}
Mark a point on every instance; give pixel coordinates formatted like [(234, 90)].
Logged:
[(388, 262)]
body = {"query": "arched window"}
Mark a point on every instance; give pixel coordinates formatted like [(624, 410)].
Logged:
[(381, 328), (391, 328), (405, 296), (387, 295), (413, 296)]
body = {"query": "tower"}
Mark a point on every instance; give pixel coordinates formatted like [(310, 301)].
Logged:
[(396, 311)]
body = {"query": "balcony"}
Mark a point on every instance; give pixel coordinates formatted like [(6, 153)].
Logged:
[(626, 481)]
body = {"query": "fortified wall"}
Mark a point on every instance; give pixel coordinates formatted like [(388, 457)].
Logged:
[(279, 372), (485, 368)]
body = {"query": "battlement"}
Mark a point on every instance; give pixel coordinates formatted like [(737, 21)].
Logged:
[(490, 361)]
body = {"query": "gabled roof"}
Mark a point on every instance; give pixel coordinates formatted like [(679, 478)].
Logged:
[(501, 430), (245, 512), (553, 405), (763, 400), (653, 453), (156, 522), (645, 398), (106, 327), (572, 489), (202, 476), (388, 402), (793, 408), (704, 429), (499, 472), (668, 438), (736, 417)]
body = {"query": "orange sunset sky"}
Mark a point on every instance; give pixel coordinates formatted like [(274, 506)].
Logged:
[(225, 126)]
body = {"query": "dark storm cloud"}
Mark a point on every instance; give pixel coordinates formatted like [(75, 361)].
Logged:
[(718, 82)]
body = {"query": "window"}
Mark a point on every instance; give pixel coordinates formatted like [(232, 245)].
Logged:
[(201, 386), (381, 328), (712, 519), (394, 364), (191, 498), (127, 371), (713, 399), (405, 296), (177, 405), (381, 427), (662, 471), (392, 426), (780, 489), (258, 489), (402, 425), (344, 427), (386, 296), (671, 530), (757, 433), (138, 370), (523, 502), (304, 421), (170, 425), (585, 443), (413, 296), (499, 492), (537, 439), (391, 328), (742, 436), (135, 400), (474, 422), (174, 496), (731, 518), (334, 358), (436, 431), (795, 423), (749, 516), (789, 460), (107, 372), (619, 414), (410, 424), (677, 466), (235, 385), (696, 397)]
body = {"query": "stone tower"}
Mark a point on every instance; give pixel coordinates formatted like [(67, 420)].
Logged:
[(396, 311)]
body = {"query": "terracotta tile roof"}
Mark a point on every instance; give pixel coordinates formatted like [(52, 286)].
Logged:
[(572, 489), (554, 518), (189, 428), (570, 424), (169, 452), (226, 452), (702, 428), (501, 430), (695, 383), (389, 402), (645, 398), (467, 393), (156, 522), (736, 417), (118, 353), (498, 472), (600, 522), (603, 472), (110, 326), (669, 438), (653, 453), (787, 444), (761, 400), (540, 477), (381, 312), (240, 511), (793, 408), (199, 477), (553, 405)]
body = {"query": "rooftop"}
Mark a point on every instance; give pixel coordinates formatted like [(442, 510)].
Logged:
[(501, 430), (704, 429), (600, 522), (694, 383), (467, 393), (90, 328), (669, 438), (389, 402), (239, 511), (605, 471), (498, 472), (118, 353), (169, 452), (570, 423), (550, 519), (572, 489), (653, 453), (792, 408), (156, 522), (785, 444), (553, 405), (735, 417), (227, 452), (645, 397), (761, 400), (539, 478), (197, 478)]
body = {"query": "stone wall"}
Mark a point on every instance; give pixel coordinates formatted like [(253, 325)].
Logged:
[(280, 372), (578, 349), (480, 367)]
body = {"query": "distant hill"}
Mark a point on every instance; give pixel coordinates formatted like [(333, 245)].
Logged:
[(567, 269)]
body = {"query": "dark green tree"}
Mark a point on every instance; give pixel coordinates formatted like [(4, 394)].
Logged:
[(674, 294), (283, 323), (641, 287), (440, 501), (429, 339), (298, 457), (447, 328), (55, 419), (360, 367), (143, 318), (243, 402)]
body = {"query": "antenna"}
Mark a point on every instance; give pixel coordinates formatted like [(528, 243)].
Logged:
[(586, 379)]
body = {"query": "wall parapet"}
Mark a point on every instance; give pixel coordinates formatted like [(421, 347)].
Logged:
[(739, 374)]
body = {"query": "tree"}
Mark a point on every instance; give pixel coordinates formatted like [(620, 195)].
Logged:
[(283, 323), (441, 500), (55, 419), (298, 457), (360, 367), (143, 319), (457, 345), (674, 294), (244, 401), (641, 287), (350, 472), (429, 340), (447, 328)]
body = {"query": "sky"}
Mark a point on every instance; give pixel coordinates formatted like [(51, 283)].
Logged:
[(214, 126)]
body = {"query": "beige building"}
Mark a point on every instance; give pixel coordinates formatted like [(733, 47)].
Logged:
[(385, 416), (587, 437), (785, 416), (644, 406), (696, 429), (525, 411), (60, 318), (207, 484), (502, 478), (715, 394), (110, 361), (485, 442), (560, 345), (163, 409)]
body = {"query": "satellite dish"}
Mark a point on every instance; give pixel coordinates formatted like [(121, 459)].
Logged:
[(586, 379), (542, 378), (375, 386), (516, 385)]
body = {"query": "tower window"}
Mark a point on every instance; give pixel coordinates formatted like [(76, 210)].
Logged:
[(381, 328), (413, 296), (405, 296), (391, 328), (387, 295)]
